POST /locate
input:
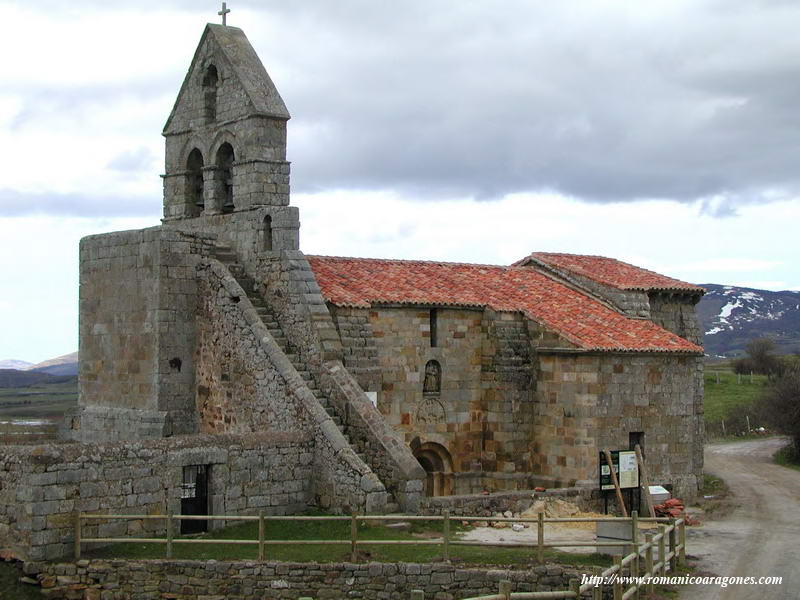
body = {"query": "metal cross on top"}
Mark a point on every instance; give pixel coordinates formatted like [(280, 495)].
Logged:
[(224, 13)]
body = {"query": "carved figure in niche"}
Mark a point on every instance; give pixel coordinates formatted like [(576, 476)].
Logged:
[(430, 412), (433, 378)]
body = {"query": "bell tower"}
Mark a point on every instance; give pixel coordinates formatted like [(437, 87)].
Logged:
[(226, 134)]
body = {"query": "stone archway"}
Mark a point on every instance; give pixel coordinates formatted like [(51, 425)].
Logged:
[(438, 465)]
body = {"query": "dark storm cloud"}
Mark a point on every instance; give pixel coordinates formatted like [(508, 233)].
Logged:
[(602, 101), (685, 102)]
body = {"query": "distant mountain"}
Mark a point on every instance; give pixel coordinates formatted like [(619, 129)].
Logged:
[(12, 363), (731, 316), (61, 365), (55, 370)]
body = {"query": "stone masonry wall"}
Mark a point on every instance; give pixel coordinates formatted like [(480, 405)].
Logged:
[(342, 481), (288, 285), (138, 297), (43, 486), (198, 580), (587, 402), (119, 327), (238, 388), (360, 353), (450, 418), (507, 403), (661, 396), (676, 313)]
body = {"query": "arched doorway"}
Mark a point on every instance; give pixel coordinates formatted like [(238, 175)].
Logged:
[(438, 465)]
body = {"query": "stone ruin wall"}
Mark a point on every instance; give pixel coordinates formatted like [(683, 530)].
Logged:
[(593, 401), (239, 389), (43, 486)]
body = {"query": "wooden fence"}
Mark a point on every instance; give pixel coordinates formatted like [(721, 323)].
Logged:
[(646, 557)]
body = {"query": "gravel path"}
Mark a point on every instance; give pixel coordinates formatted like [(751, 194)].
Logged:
[(761, 537)]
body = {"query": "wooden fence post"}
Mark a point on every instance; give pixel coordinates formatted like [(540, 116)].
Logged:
[(662, 554), (575, 587), (261, 535), (617, 585), (648, 560), (77, 536), (635, 571), (169, 534), (505, 589), (673, 534), (682, 542), (446, 535), (540, 538), (597, 590), (353, 537)]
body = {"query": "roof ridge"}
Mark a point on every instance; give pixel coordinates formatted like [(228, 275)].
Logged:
[(412, 260)]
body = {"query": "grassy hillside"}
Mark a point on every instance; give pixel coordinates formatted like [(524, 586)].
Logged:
[(727, 397)]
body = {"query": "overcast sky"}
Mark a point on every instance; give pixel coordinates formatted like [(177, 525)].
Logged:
[(666, 134)]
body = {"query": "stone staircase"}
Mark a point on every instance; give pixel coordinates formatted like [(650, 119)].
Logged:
[(228, 257)]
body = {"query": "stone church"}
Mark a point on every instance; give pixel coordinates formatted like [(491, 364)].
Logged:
[(493, 377), (223, 370)]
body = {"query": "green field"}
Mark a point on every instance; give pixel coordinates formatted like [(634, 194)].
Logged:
[(32, 414), (340, 530), (730, 392)]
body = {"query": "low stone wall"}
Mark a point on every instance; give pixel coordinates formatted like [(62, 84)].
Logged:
[(487, 505), (212, 580), (42, 487)]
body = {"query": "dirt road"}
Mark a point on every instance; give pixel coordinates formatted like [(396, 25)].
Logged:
[(761, 537)]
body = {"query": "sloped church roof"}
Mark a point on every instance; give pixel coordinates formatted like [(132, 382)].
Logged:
[(582, 320)]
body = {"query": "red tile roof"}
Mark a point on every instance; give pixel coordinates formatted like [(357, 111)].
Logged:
[(612, 272), (585, 322)]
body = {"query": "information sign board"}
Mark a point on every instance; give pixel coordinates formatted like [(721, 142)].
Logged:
[(625, 466)]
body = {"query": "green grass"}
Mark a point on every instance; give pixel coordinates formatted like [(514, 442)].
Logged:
[(787, 457), (712, 485), (40, 400), (333, 530), (721, 398)]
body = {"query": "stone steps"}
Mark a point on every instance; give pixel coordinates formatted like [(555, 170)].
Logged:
[(225, 255)]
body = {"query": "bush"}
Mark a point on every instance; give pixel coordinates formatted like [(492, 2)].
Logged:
[(780, 407), (760, 359)]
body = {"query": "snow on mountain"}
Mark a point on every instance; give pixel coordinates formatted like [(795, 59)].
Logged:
[(731, 316), (13, 363)]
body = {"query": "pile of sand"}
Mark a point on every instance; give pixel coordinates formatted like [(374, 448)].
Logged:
[(556, 508)]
